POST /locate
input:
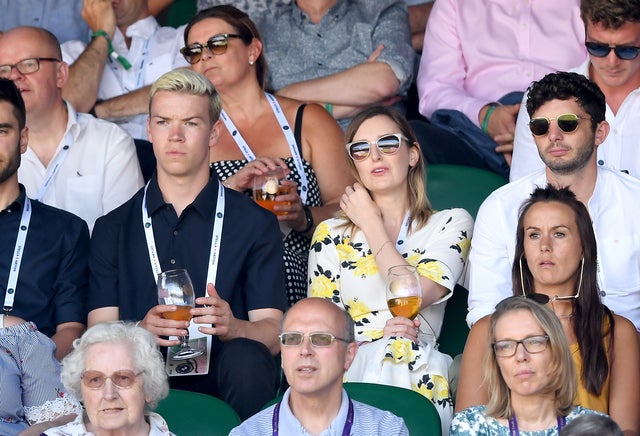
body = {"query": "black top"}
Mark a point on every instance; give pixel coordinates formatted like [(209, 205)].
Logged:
[(52, 284), (250, 269)]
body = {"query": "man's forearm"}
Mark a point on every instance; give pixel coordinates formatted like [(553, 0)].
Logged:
[(85, 74), (265, 330), (125, 105), (361, 85)]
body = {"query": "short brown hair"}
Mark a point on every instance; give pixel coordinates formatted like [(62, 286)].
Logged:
[(611, 14)]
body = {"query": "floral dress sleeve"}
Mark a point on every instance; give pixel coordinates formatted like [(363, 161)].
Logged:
[(324, 264)]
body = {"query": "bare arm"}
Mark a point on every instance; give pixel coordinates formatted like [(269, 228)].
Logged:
[(81, 90), (125, 105), (471, 390), (64, 336), (625, 372), (362, 85), (103, 314), (418, 17)]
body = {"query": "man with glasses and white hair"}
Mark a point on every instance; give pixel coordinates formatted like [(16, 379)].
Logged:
[(318, 346), (567, 114), (613, 42)]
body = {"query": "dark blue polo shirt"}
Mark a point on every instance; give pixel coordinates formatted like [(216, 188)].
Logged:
[(52, 284), (250, 269)]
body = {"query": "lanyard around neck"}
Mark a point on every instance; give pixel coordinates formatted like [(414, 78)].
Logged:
[(141, 68), (18, 252), (288, 133), (346, 430), (54, 166), (216, 237), (404, 229), (513, 425)]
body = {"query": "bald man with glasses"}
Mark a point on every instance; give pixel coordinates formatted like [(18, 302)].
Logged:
[(318, 346)]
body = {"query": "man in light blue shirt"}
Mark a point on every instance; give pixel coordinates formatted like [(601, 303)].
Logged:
[(318, 346)]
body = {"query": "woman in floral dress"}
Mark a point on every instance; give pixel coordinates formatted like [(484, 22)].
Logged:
[(386, 220)]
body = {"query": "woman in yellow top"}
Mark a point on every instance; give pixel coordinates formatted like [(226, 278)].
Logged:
[(555, 264)]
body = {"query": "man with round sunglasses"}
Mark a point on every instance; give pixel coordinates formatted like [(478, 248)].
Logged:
[(111, 76), (612, 40), (567, 113), (318, 346)]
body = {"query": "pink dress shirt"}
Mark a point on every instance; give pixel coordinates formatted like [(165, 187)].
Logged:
[(476, 51)]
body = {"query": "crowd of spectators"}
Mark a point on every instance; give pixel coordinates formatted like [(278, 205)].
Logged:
[(129, 147)]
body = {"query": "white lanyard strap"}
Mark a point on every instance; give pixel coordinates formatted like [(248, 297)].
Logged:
[(16, 260), (288, 134), (53, 168), (216, 237), (402, 236)]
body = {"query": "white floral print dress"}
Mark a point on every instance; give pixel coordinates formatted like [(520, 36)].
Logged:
[(342, 268)]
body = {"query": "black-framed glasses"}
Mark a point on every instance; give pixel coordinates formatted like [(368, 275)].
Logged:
[(532, 345), (123, 379), (624, 52), (568, 123), (217, 45), (317, 339), (25, 66), (387, 144)]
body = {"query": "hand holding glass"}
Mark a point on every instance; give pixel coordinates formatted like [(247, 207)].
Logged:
[(404, 293), (266, 187), (175, 287)]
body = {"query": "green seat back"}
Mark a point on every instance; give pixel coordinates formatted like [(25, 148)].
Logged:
[(419, 414), (195, 414), (180, 12), (451, 186)]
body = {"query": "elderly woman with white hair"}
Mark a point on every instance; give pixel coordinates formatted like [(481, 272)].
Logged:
[(117, 371)]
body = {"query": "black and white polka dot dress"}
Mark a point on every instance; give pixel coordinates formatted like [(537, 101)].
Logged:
[(296, 245)]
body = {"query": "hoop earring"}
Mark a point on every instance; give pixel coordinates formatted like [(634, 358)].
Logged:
[(524, 294), (580, 280)]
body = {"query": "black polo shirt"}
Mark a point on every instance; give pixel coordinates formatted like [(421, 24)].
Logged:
[(250, 269), (52, 284)]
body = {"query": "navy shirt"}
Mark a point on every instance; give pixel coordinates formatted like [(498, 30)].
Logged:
[(250, 269), (52, 283)]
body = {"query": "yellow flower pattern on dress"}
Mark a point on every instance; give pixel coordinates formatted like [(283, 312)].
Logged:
[(342, 268), (322, 286)]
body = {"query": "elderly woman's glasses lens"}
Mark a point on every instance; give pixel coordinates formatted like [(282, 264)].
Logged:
[(25, 66), (566, 122), (217, 45), (387, 144), (624, 52), (318, 339), (532, 345), (95, 379)]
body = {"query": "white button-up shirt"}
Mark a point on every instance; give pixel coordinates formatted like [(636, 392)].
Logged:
[(619, 151), (615, 212), (99, 173), (154, 51)]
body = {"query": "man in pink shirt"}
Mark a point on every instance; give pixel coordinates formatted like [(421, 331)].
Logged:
[(476, 53)]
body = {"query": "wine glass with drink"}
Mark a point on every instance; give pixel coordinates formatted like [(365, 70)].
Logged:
[(267, 186), (404, 293), (175, 287)]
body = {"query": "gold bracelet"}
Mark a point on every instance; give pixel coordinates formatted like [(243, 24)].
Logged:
[(381, 247)]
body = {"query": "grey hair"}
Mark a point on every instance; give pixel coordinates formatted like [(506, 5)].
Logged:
[(141, 343), (187, 81), (592, 424)]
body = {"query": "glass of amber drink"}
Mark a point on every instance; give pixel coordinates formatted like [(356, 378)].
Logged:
[(175, 287), (404, 293), (267, 187)]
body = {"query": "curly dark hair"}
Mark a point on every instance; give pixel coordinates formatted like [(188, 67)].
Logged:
[(567, 86)]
